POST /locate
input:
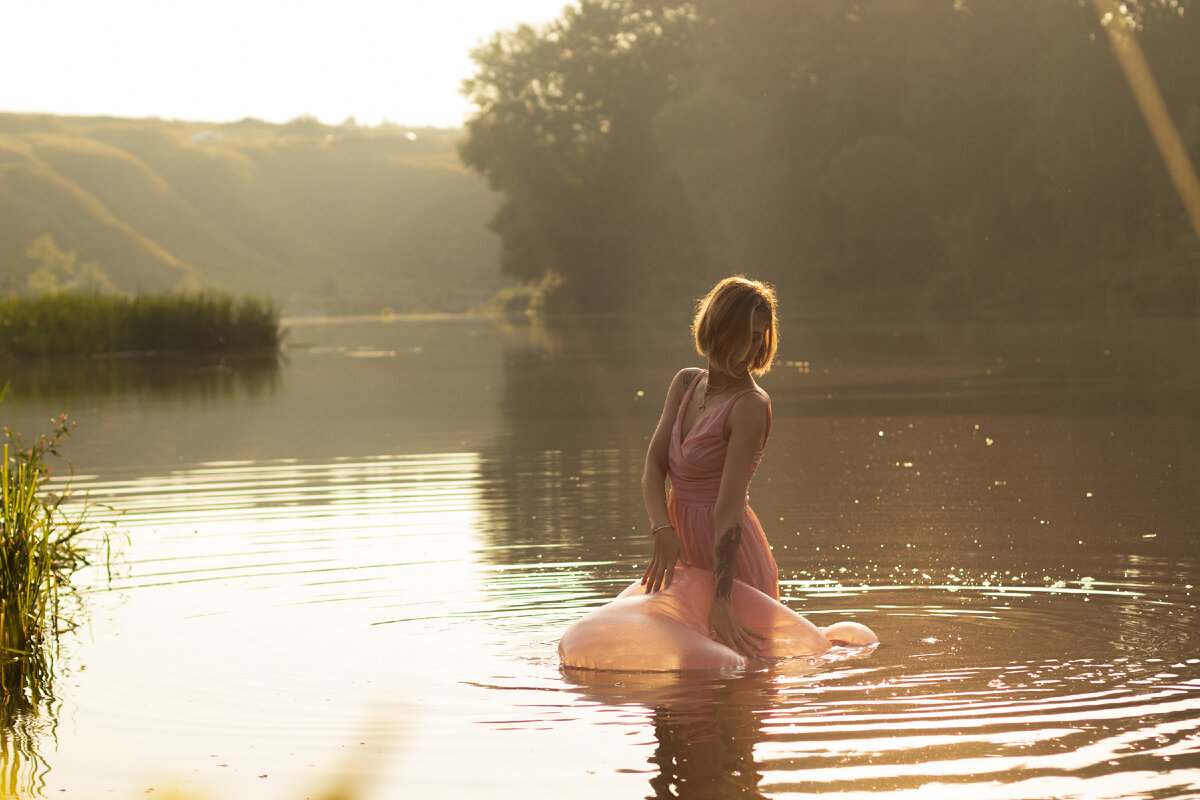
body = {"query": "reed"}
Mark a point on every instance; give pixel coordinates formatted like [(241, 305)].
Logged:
[(39, 549), (68, 323)]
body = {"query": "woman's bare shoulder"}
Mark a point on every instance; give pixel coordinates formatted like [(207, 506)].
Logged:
[(750, 409), (683, 378)]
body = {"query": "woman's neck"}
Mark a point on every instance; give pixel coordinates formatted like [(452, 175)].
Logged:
[(718, 377)]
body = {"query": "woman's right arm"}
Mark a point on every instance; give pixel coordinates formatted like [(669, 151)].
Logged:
[(667, 546)]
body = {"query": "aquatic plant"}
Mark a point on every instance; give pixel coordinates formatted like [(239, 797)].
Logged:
[(86, 324), (39, 549)]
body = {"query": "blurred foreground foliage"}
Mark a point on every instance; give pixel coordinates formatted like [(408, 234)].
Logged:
[(983, 156)]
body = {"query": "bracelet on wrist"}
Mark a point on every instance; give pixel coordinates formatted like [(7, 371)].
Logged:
[(661, 528)]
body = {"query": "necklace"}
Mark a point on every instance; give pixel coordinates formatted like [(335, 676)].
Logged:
[(709, 394)]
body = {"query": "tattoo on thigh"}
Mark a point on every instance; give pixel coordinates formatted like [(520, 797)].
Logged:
[(726, 560)]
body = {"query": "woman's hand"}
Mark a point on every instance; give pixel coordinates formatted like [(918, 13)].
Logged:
[(667, 550), (728, 629)]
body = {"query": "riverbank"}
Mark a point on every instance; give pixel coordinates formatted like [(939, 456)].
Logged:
[(75, 324)]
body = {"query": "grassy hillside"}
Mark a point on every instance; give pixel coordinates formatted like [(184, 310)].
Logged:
[(322, 219)]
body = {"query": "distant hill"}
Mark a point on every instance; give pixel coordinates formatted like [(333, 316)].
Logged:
[(323, 219)]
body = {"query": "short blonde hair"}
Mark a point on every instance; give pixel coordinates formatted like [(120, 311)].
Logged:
[(724, 319)]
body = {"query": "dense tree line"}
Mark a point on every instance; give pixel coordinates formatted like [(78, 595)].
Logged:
[(975, 154)]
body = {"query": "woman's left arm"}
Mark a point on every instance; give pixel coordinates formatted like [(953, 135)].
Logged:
[(746, 426)]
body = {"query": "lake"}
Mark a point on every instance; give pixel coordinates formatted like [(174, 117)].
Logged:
[(347, 568)]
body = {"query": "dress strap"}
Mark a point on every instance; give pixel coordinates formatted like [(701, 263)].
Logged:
[(690, 389)]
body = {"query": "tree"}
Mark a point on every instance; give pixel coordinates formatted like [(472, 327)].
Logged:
[(564, 132), (50, 265), (57, 271), (976, 148)]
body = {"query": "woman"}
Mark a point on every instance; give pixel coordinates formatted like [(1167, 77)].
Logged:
[(710, 597)]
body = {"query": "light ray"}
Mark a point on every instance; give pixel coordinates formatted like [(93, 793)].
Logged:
[(1154, 108)]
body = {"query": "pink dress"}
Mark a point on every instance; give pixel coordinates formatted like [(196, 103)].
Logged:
[(668, 630)]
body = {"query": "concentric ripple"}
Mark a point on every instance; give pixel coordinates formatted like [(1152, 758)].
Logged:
[(261, 610)]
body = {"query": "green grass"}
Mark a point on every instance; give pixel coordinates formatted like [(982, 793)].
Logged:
[(39, 549), (65, 323)]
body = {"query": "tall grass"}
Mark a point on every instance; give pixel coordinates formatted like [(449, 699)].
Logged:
[(38, 551), (65, 323)]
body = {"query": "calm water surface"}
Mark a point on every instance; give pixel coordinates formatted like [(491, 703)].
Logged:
[(350, 567)]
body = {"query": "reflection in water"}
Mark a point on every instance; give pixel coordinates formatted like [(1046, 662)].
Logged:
[(705, 729), (707, 751), (29, 711), (1060, 728), (182, 376), (340, 548), (22, 767), (265, 590), (562, 470), (1018, 475), (329, 530)]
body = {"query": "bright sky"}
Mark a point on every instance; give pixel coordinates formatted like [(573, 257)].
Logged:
[(223, 60)]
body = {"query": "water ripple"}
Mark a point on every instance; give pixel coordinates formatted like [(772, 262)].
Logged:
[(986, 686)]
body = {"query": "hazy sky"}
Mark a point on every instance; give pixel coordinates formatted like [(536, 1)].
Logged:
[(222, 60)]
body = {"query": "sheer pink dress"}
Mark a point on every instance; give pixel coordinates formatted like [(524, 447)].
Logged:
[(668, 630)]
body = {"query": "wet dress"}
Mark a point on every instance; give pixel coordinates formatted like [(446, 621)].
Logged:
[(668, 630)]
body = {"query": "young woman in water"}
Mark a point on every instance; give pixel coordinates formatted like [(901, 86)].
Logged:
[(709, 598)]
